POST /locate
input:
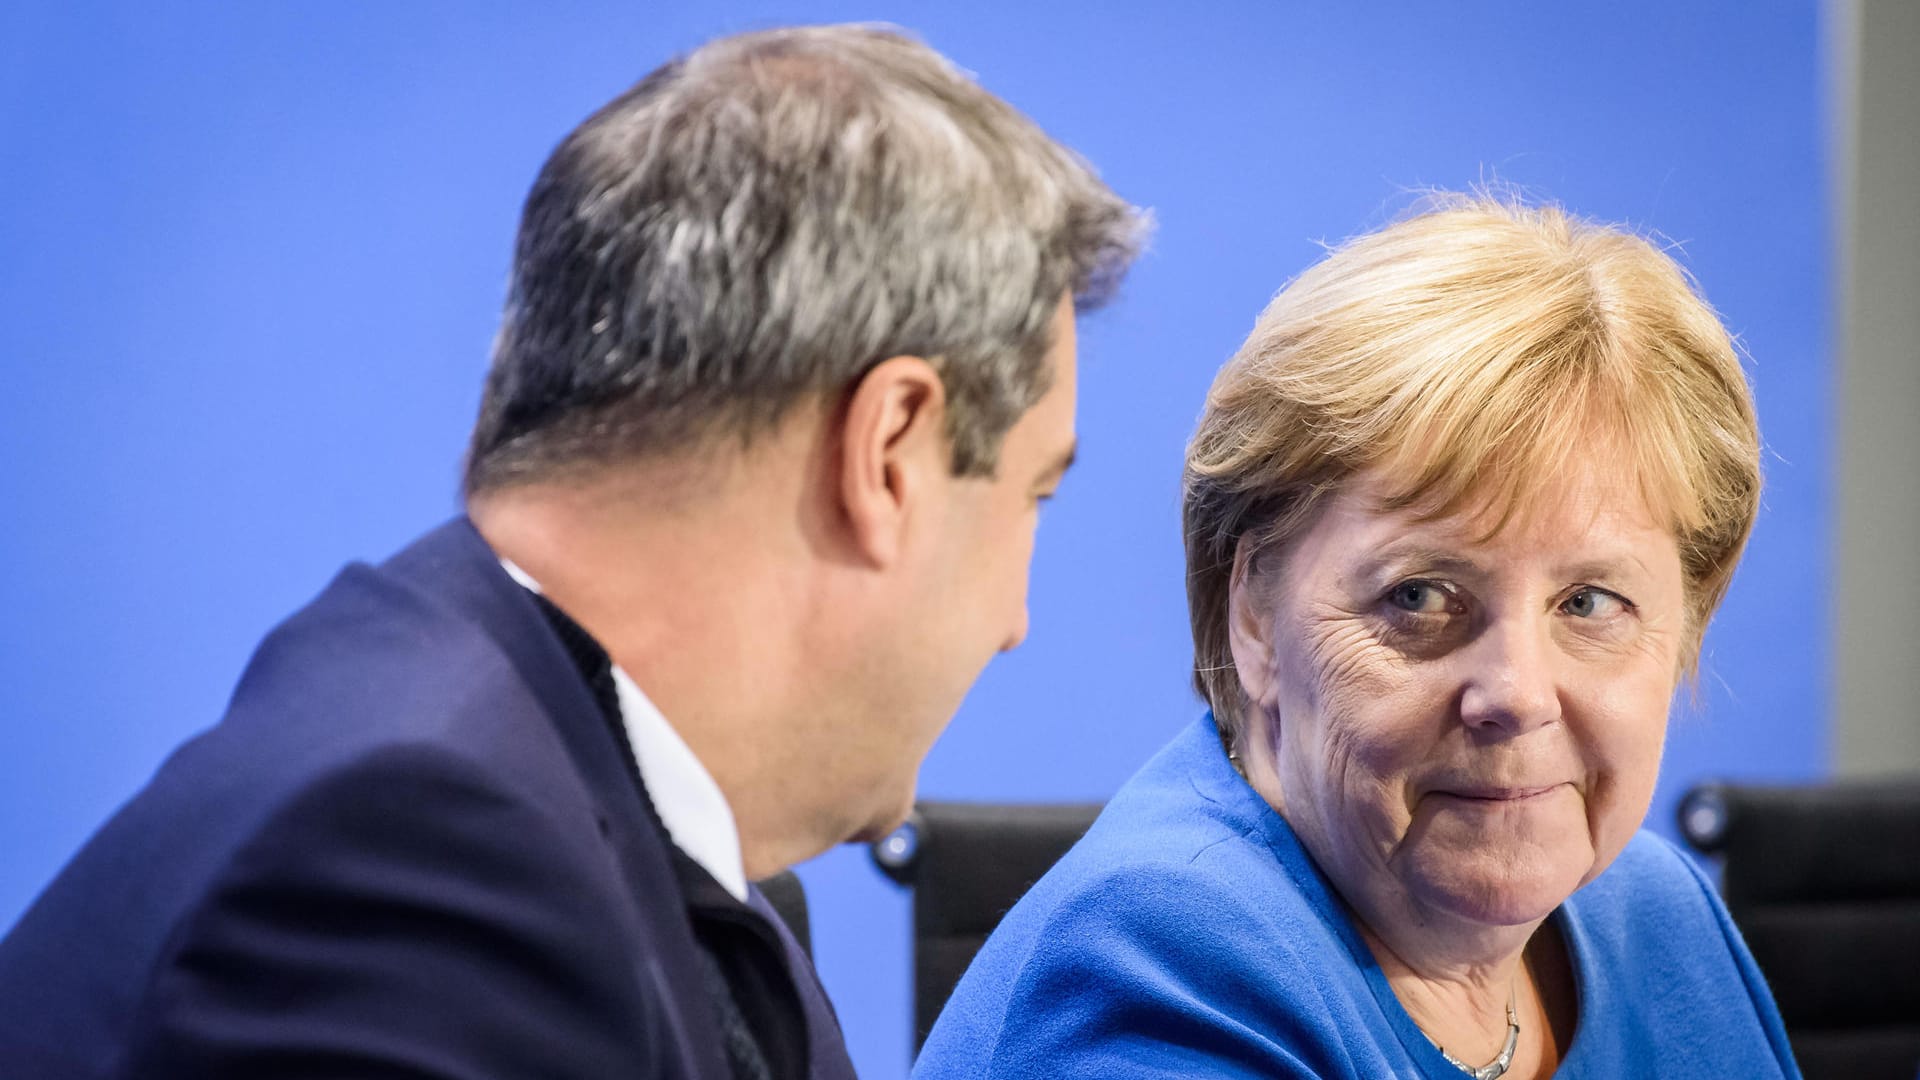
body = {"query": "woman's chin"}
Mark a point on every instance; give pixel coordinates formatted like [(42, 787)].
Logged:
[(1489, 888), (1499, 866)]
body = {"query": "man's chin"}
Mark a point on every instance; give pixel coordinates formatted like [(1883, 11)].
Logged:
[(885, 820), (870, 833)]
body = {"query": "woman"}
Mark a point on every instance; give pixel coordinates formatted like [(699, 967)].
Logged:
[(1456, 517)]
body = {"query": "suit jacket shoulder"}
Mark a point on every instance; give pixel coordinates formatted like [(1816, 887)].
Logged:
[(410, 848)]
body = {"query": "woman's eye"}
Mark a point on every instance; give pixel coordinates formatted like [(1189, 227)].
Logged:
[(1423, 597), (1589, 603)]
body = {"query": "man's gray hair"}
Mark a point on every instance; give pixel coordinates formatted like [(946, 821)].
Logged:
[(763, 220)]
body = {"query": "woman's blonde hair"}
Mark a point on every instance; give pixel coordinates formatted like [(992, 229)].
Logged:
[(1469, 353)]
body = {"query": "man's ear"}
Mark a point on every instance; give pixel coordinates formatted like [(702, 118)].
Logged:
[(893, 449), (1250, 625)]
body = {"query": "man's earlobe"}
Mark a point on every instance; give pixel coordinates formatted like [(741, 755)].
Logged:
[(892, 446)]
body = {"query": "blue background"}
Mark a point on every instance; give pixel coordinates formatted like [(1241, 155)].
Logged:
[(251, 258)]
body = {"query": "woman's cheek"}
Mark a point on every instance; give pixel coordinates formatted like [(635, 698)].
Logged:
[(1374, 734), (1623, 748)]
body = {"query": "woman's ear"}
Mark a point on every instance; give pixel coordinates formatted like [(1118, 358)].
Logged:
[(1250, 625), (1250, 629)]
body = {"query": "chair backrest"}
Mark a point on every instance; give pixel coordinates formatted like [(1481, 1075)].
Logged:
[(967, 864), (1824, 883), (789, 898)]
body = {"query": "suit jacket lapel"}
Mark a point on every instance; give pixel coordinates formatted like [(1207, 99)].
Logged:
[(454, 566), (827, 1047)]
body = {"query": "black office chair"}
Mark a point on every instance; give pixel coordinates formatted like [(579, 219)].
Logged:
[(1824, 883), (967, 863)]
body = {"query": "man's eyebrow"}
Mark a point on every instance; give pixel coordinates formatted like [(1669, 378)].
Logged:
[(1061, 464)]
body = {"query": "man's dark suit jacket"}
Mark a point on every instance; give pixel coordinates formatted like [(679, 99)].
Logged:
[(414, 847)]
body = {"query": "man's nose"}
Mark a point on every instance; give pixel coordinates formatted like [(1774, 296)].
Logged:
[(1019, 631)]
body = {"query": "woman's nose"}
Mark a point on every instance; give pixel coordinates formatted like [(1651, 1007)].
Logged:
[(1510, 679)]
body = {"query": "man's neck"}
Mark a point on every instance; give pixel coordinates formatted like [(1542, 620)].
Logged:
[(690, 805), (688, 601)]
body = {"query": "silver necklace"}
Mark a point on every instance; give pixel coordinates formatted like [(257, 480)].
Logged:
[(1496, 1068)]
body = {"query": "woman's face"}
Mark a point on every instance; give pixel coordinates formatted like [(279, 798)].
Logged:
[(1461, 726)]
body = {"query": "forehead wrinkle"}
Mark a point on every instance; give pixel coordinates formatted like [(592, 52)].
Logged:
[(1503, 508), (1451, 544)]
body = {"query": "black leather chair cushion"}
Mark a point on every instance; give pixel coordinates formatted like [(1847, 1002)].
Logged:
[(1824, 883), (968, 863)]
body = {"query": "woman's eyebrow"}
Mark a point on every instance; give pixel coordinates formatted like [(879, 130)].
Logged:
[(1604, 568), (1399, 557), (1425, 558)]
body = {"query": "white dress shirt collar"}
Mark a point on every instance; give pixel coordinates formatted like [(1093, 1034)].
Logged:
[(689, 802)]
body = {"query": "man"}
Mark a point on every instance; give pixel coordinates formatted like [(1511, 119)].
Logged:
[(786, 368)]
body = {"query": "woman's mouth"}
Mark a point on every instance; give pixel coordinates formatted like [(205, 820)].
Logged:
[(1498, 793)]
